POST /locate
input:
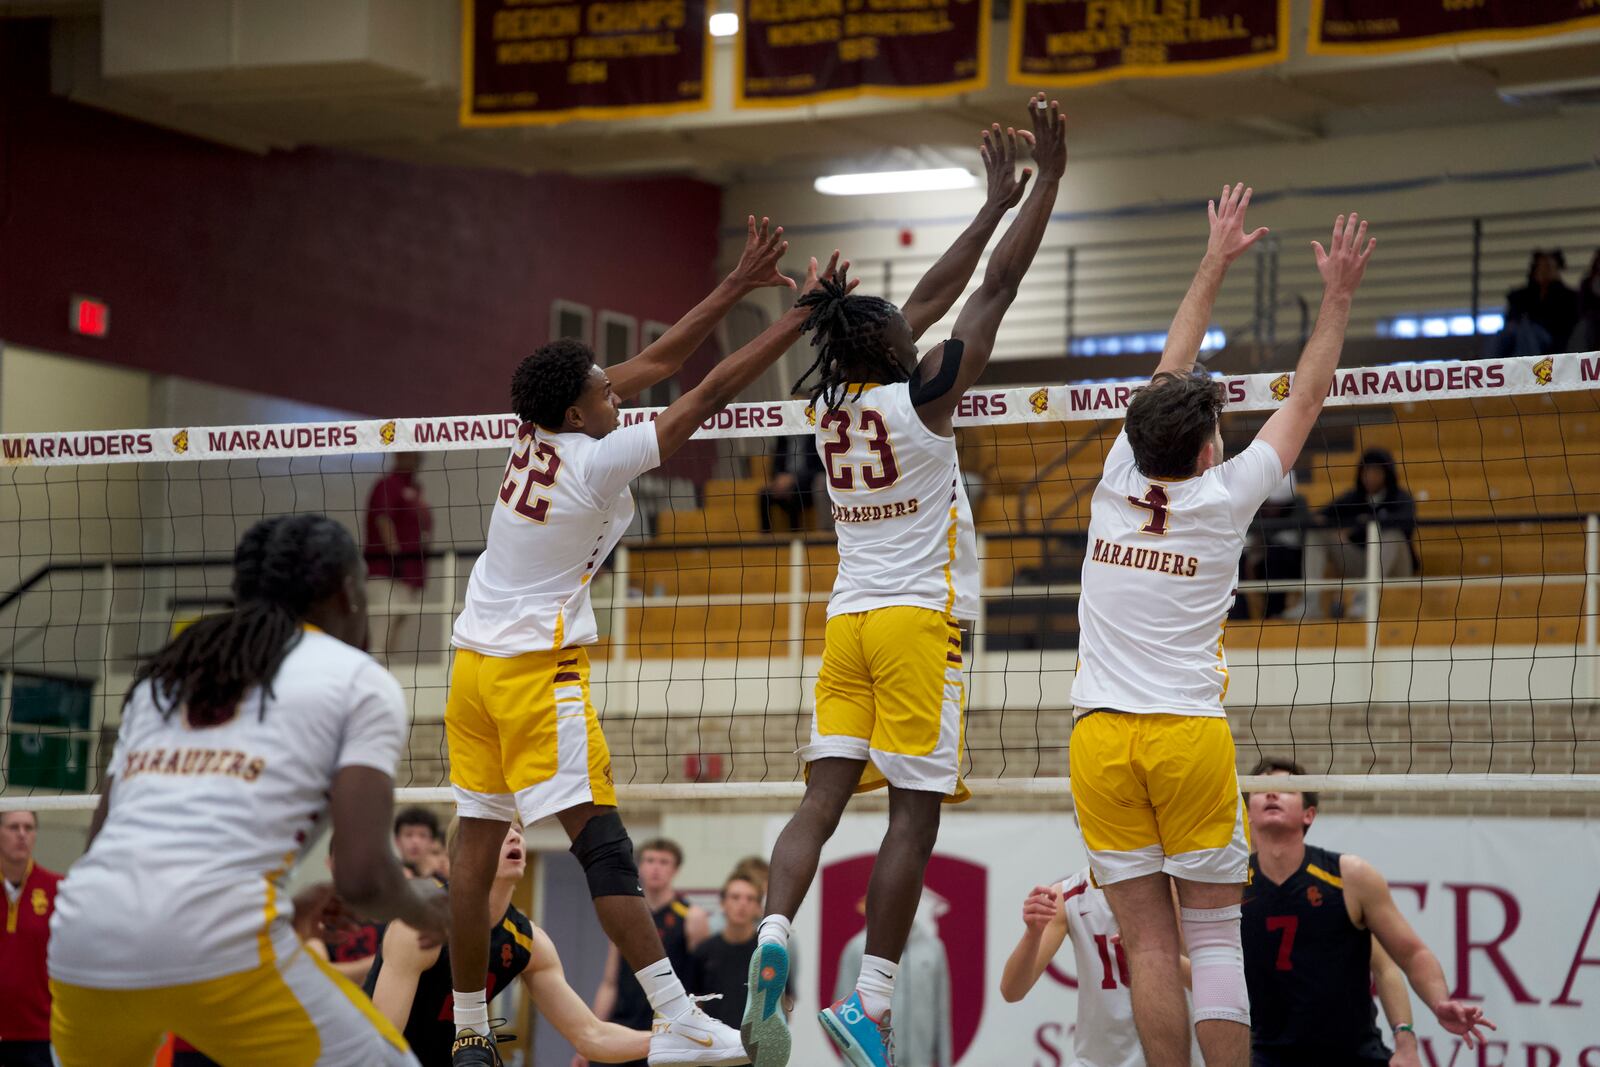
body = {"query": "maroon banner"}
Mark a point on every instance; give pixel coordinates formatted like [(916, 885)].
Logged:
[(1346, 27), (530, 62), (804, 51), (1079, 42)]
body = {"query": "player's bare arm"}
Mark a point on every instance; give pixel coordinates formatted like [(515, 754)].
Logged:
[(764, 246), (939, 289), (405, 959), (1396, 1002), (1372, 906), (980, 317), (1045, 929), (730, 377), (366, 872), (546, 983), (605, 994), (1227, 242), (1342, 265), (696, 926)]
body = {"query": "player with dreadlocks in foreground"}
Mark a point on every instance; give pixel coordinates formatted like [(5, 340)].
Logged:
[(889, 693), (237, 740)]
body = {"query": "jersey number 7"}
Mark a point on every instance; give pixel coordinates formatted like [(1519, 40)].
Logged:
[(541, 464), (1155, 502)]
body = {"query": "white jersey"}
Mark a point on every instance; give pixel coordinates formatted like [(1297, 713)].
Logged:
[(899, 508), (1105, 1035), (1158, 579), (562, 507), (185, 882)]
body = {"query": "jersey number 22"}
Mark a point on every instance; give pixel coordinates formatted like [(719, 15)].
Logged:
[(541, 464)]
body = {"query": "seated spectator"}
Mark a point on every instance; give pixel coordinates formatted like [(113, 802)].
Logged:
[(416, 832), (797, 474), (1338, 547), (1586, 335), (1277, 545), (1541, 315), (722, 962)]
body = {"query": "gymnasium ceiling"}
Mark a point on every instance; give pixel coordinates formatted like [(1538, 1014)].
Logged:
[(269, 74)]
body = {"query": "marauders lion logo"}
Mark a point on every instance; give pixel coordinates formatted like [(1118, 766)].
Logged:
[(180, 441), (386, 432), (1544, 370), (811, 414), (1040, 400), (1280, 387)]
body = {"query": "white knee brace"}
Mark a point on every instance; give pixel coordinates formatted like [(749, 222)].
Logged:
[(1216, 960)]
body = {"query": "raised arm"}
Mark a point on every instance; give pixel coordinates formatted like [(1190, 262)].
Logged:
[(980, 317), (1377, 911), (1342, 266), (1396, 1001), (946, 280), (1227, 242), (1044, 919), (661, 359), (730, 377), (404, 961)]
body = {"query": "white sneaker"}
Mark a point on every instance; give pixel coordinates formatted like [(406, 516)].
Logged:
[(694, 1039)]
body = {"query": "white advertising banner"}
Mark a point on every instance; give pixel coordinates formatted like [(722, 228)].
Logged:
[(1510, 906)]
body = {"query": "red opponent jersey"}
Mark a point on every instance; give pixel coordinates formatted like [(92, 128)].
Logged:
[(24, 983)]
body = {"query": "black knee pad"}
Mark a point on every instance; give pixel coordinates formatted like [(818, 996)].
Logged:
[(606, 853)]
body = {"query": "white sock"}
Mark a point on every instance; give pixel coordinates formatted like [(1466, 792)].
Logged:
[(876, 985), (472, 1012), (774, 931), (663, 990)]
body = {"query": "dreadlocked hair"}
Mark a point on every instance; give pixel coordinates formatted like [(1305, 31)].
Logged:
[(848, 333), (282, 567)]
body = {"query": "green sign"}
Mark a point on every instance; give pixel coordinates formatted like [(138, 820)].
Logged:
[(47, 761)]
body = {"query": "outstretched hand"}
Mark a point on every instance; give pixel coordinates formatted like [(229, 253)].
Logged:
[(814, 277), (1040, 908), (1464, 1020), (1344, 261), (1049, 137), (999, 152), (1228, 240), (758, 263)]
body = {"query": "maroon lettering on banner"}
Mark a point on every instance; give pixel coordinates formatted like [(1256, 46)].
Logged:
[(1466, 946), (1580, 960), (1364, 27), (528, 63), (1076, 43), (804, 51)]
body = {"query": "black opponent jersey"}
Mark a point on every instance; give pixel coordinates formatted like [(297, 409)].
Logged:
[(632, 1008), (1308, 968), (430, 1028)]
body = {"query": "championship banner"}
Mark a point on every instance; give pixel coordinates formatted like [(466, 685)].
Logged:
[(533, 62), (1511, 908), (1365, 27), (794, 52), (1079, 402), (1081, 42)]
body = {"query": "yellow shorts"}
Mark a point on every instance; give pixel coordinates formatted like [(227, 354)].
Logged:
[(295, 1013), (524, 738), (890, 692), (1159, 793)]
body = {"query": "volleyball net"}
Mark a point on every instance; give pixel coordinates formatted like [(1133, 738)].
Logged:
[(1451, 651)]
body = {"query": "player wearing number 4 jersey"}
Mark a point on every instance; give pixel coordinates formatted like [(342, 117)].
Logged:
[(889, 692), (1152, 759), (523, 735)]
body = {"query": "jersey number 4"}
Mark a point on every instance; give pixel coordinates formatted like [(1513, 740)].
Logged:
[(540, 464), (842, 476), (1155, 502)]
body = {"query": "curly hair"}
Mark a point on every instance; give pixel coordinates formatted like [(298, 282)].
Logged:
[(550, 381), (851, 341), (282, 566), (1170, 420)]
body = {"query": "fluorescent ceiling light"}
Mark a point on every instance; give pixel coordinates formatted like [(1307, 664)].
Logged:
[(896, 181), (724, 24)]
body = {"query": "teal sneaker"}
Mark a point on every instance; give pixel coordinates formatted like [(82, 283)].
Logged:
[(861, 1039), (765, 1027)]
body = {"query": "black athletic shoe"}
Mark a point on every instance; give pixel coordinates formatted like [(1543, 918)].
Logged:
[(472, 1049)]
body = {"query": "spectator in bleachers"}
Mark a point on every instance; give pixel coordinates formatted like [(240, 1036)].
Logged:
[(24, 982), (1276, 551), (796, 481), (416, 832), (1586, 335), (1337, 548), (399, 528), (1541, 315)]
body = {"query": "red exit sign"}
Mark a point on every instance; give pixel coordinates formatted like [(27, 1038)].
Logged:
[(89, 316)]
